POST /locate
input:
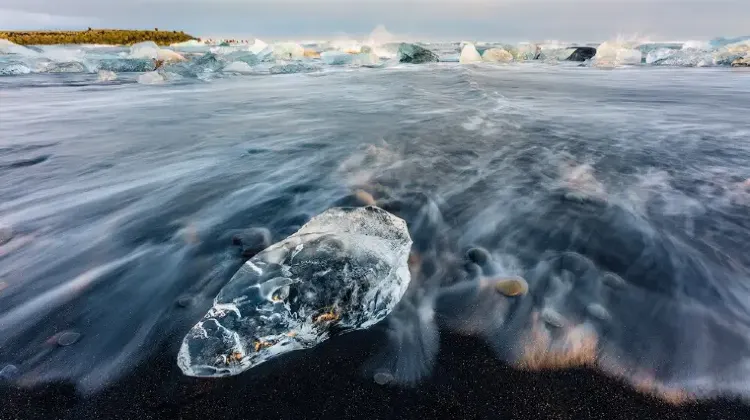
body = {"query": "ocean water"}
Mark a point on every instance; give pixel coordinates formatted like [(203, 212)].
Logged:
[(621, 196)]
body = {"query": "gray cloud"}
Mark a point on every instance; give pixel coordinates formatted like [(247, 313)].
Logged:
[(585, 20), (12, 19)]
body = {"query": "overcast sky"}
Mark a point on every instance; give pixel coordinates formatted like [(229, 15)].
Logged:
[(574, 20)]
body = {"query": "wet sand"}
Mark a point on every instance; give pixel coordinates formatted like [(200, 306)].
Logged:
[(468, 383)]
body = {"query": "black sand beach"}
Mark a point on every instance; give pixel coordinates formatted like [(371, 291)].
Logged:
[(468, 383)]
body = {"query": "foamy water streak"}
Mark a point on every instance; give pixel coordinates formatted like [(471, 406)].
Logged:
[(621, 198)]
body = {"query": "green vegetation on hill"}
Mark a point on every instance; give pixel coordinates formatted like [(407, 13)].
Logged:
[(95, 36)]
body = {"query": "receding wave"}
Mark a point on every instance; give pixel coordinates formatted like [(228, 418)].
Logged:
[(620, 197)]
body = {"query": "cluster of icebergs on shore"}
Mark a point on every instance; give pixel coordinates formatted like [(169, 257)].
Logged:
[(195, 60)]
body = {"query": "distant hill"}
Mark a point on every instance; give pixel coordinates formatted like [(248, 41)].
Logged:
[(95, 36)]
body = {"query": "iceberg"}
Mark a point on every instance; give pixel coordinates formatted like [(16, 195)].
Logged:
[(497, 55), (412, 53), (720, 42), (258, 47), (612, 54), (469, 54), (193, 43), (366, 59), (648, 47), (725, 58), (7, 47), (70, 67), (127, 65), (742, 47), (149, 49), (309, 53), (346, 45), (13, 69), (243, 56), (581, 54), (526, 52), (238, 67), (62, 54), (658, 55), (682, 58), (345, 269), (207, 63), (291, 68), (388, 51), (697, 45), (741, 62), (169, 55), (336, 58), (553, 51), (288, 51), (222, 50)]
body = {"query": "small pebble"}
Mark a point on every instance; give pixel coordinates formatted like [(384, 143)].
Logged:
[(9, 373), (511, 287), (478, 256), (184, 301), (553, 318), (68, 338), (383, 378)]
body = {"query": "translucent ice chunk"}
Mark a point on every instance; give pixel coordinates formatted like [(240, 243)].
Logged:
[(7, 47), (150, 50), (527, 52), (415, 54), (13, 69), (193, 43), (258, 47), (366, 59), (244, 57), (497, 55), (290, 68), (336, 58), (469, 54), (684, 57), (146, 49), (126, 65), (238, 67), (614, 53), (69, 67), (346, 267), (288, 51)]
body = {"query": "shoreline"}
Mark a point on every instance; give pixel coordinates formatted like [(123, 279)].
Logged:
[(96, 36), (327, 382)]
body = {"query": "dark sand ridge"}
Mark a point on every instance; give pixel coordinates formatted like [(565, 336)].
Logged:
[(95, 36), (328, 383)]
